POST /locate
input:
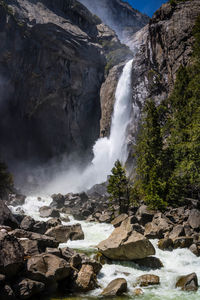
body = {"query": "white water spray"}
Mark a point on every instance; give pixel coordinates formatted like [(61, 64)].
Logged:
[(106, 150)]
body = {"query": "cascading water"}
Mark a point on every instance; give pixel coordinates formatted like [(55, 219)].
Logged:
[(106, 150)]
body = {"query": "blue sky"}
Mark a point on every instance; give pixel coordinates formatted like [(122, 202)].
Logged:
[(146, 6)]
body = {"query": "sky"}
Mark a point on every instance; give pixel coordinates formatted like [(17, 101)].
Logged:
[(146, 6)]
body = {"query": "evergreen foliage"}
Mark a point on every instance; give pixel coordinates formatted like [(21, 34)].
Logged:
[(6, 180), (118, 187), (168, 147)]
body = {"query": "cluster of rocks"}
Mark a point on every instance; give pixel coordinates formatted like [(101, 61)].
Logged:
[(119, 286), (31, 262)]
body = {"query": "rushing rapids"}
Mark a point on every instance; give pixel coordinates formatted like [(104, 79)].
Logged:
[(176, 263)]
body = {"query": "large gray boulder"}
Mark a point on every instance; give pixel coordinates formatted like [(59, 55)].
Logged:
[(62, 233), (126, 245), (47, 268), (11, 255)]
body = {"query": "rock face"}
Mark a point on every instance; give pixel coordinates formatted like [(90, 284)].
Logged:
[(125, 244), (163, 45), (55, 96), (118, 15), (115, 288)]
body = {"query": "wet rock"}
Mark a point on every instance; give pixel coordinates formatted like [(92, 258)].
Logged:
[(150, 263), (53, 222), (46, 212), (58, 201), (16, 200), (194, 219), (118, 220), (176, 232), (26, 288), (30, 247), (40, 227), (47, 268), (65, 219), (195, 249), (63, 233), (86, 279), (166, 244), (92, 262), (11, 255), (138, 292), (148, 279), (44, 241), (6, 216), (27, 223), (125, 245), (115, 288), (182, 242), (6, 293), (54, 251), (188, 282), (144, 215)]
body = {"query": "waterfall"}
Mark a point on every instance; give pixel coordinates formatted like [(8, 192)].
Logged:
[(106, 150)]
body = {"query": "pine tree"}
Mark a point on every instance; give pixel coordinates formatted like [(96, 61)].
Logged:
[(118, 187)]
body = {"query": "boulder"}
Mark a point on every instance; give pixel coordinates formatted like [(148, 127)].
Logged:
[(30, 247), (58, 200), (47, 268), (6, 293), (47, 212), (27, 288), (86, 279), (76, 232), (44, 241), (166, 244), (85, 260), (54, 251), (2, 280), (53, 222), (105, 218), (16, 200), (6, 216), (195, 249), (115, 288), (176, 232), (150, 263), (62, 233), (148, 279), (118, 220), (188, 282), (138, 292), (183, 242), (65, 219), (144, 215), (11, 255), (194, 219), (126, 245), (27, 223), (40, 227)]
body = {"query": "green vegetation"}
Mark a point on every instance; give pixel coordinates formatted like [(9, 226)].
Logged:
[(6, 180), (119, 187), (168, 147)]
